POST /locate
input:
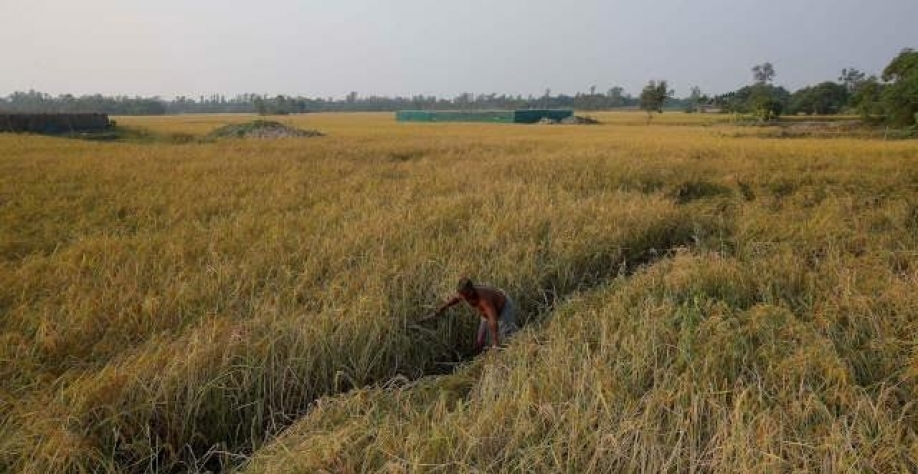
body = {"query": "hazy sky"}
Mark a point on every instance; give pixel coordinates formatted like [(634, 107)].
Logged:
[(405, 47)]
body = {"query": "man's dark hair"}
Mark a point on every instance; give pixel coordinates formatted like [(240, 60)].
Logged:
[(465, 286)]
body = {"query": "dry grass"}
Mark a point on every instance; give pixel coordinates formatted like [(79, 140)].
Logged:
[(696, 299)]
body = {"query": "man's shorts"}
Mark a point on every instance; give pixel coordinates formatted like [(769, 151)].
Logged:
[(506, 323)]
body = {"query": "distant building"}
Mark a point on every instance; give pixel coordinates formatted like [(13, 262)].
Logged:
[(490, 116), (54, 123)]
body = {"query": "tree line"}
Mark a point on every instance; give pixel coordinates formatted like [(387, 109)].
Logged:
[(38, 102), (891, 97)]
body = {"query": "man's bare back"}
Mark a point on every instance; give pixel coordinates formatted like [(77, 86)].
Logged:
[(493, 308)]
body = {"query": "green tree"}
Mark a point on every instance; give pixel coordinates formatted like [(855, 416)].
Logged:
[(260, 106), (763, 73), (765, 101), (867, 100), (616, 96), (825, 98), (900, 96), (764, 104), (695, 99), (851, 78), (653, 96)]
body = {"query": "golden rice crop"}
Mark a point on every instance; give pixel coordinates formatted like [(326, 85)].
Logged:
[(697, 297)]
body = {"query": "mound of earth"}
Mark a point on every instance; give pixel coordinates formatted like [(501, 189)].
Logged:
[(262, 129)]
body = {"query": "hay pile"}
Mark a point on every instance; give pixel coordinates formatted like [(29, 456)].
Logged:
[(261, 129), (580, 120), (572, 120)]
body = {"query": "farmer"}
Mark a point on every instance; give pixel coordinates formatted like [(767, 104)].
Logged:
[(495, 308)]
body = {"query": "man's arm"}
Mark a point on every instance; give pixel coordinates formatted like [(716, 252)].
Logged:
[(452, 301)]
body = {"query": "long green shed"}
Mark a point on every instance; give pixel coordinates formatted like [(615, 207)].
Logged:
[(490, 116)]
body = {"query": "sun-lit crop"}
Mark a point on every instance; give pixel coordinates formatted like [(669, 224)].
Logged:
[(697, 297)]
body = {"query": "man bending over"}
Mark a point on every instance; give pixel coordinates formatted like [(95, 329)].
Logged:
[(496, 309)]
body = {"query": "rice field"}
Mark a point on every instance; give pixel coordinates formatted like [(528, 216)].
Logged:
[(696, 296)]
